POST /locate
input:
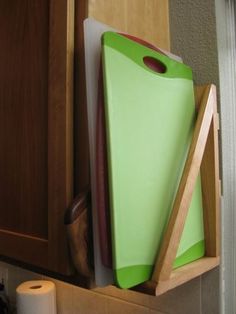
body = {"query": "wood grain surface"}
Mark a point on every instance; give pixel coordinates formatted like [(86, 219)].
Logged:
[(36, 129), (23, 116), (147, 19), (81, 145), (179, 276), (211, 187)]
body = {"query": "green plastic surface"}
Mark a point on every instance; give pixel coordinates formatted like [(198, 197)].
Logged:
[(193, 233), (126, 276), (193, 253), (149, 120)]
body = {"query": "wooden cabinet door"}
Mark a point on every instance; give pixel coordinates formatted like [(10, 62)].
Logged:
[(36, 96)]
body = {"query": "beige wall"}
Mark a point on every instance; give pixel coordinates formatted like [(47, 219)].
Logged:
[(191, 298)]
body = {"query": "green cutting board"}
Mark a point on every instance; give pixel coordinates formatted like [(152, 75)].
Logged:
[(149, 120)]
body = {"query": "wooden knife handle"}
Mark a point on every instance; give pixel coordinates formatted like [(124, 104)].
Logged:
[(79, 234)]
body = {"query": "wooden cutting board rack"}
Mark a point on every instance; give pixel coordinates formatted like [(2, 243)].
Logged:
[(203, 156)]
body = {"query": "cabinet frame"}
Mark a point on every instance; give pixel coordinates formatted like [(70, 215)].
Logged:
[(51, 253)]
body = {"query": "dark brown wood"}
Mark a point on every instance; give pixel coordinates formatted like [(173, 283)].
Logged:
[(74, 210), (28, 249), (23, 116), (81, 147), (79, 234), (60, 129), (36, 130)]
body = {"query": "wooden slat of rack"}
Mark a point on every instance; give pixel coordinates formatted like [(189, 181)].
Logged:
[(179, 276), (186, 273), (211, 189), (175, 227), (205, 96)]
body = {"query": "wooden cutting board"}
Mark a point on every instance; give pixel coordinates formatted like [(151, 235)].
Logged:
[(149, 122)]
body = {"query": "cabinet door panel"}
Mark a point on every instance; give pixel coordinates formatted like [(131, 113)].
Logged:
[(23, 116), (36, 58)]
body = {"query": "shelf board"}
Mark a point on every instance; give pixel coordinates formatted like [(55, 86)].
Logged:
[(179, 276)]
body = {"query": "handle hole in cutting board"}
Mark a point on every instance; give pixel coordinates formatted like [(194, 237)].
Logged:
[(154, 64)]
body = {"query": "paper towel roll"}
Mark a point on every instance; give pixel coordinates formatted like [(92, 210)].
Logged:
[(36, 297)]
